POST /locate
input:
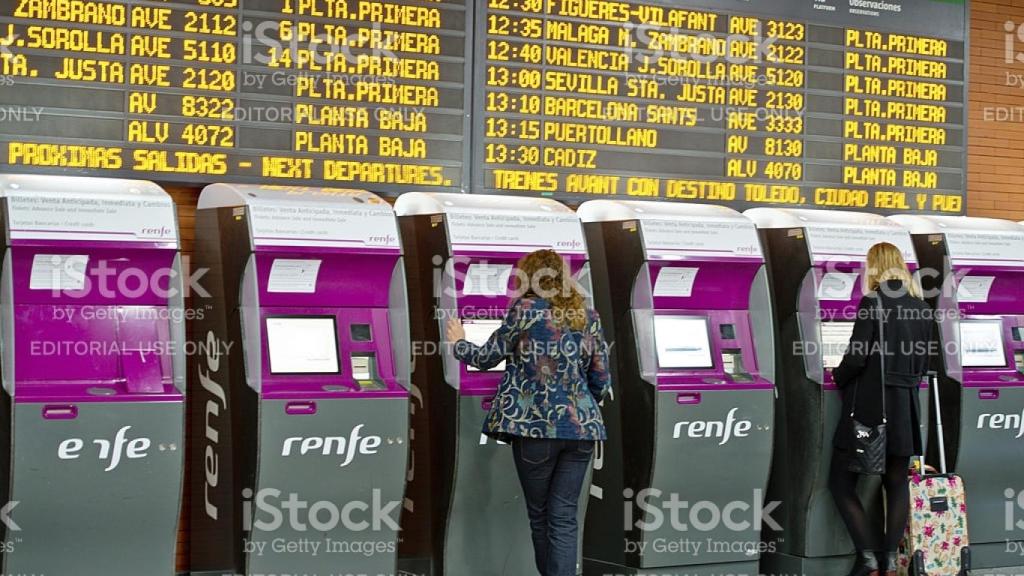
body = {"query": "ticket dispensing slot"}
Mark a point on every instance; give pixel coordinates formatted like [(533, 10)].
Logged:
[(975, 281), (92, 339), (1018, 345), (682, 290)]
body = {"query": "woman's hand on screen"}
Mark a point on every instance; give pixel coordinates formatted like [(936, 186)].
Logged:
[(455, 330)]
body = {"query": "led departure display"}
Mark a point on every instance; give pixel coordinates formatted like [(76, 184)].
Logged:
[(854, 104), (371, 94)]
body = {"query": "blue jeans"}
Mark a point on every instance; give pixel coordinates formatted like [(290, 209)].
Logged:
[(552, 473)]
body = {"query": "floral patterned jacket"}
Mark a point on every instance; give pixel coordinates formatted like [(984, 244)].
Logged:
[(554, 379)]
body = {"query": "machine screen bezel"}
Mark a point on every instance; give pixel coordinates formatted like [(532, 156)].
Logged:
[(482, 322), (709, 364), (998, 325), (848, 326), (334, 331)]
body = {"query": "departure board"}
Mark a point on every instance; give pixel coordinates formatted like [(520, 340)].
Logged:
[(337, 92), (851, 104)]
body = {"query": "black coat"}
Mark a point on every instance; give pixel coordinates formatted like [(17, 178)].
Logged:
[(910, 343)]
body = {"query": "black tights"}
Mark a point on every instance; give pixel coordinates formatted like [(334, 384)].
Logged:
[(843, 485)]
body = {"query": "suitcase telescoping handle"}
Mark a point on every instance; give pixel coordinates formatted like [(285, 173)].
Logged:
[(933, 385)]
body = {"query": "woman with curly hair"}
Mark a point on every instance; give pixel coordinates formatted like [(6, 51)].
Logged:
[(547, 405)]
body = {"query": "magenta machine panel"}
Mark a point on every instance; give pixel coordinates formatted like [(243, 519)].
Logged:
[(816, 265), (467, 516), (303, 393), (973, 274), (92, 334)]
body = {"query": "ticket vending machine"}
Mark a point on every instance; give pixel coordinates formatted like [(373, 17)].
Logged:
[(685, 289), (972, 270), (300, 414), (92, 340), (816, 264), (466, 515)]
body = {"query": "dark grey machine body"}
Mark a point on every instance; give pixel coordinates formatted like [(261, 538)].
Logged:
[(87, 505), (988, 458), (641, 455), (358, 545)]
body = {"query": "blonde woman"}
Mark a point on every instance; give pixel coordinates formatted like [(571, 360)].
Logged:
[(547, 404), (908, 326)]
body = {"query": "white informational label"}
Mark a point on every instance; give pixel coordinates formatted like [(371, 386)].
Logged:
[(852, 243), (58, 272), (508, 231), (986, 247), (91, 216), (294, 276), (707, 237), (675, 281), (484, 279), (981, 344), (837, 286), (974, 289), (302, 345), (322, 223)]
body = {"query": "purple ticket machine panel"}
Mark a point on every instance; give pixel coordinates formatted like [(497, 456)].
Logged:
[(683, 294), (972, 270), (92, 340), (816, 262), (301, 408), (465, 514)]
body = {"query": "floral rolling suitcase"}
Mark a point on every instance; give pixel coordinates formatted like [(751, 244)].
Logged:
[(936, 543)]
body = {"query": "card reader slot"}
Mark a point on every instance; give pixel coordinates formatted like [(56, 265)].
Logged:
[(688, 398), (988, 394), (300, 408), (60, 412)]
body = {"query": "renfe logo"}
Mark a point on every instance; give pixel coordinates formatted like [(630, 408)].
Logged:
[(215, 402), (159, 232), (727, 430), (338, 445), (382, 240), (112, 451), (1013, 422)]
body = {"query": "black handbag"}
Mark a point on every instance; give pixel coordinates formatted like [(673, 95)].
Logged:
[(869, 442)]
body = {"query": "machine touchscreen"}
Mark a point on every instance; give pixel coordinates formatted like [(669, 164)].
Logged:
[(478, 332), (981, 344), (835, 339), (302, 345), (682, 342)]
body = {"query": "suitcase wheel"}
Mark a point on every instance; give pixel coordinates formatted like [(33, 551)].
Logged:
[(917, 564), (965, 560)]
